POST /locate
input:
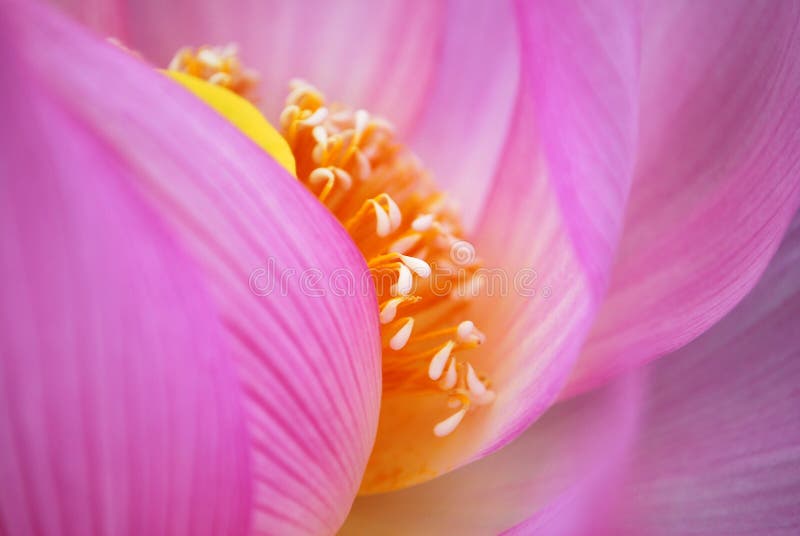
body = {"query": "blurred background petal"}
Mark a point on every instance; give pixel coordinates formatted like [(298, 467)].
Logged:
[(718, 452), (717, 176)]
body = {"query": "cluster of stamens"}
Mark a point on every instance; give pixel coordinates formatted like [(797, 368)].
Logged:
[(407, 232), (403, 226), (216, 65)]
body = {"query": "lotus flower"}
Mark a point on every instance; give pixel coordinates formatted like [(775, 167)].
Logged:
[(632, 169)]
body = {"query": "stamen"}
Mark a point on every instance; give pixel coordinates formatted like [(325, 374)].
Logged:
[(422, 222), (395, 217), (450, 377), (404, 281), (447, 426), (352, 162), (216, 65), (316, 118), (382, 225), (389, 310), (439, 360), (418, 266), (401, 337), (476, 387)]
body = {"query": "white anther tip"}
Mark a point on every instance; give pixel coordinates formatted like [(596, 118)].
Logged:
[(361, 118), (447, 426), (399, 340), (439, 360), (320, 175), (418, 266), (450, 377), (320, 134), (476, 386), (465, 329), (317, 117), (395, 216), (382, 224), (404, 281), (422, 222), (389, 311)]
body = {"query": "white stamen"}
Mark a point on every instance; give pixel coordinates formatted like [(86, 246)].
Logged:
[(360, 119), (404, 281), (389, 310), (465, 329), (450, 377), (405, 243), (344, 178), (320, 135), (395, 216), (418, 266), (439, 360), (447, 426), (399, 340), (364, 167), (320, 175), (316, 118), (220, 78), (475, 385), (422, 222), (177, 59), (209, 57), (382, 225), (288, 114)]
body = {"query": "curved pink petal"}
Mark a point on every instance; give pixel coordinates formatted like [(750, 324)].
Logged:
[(375, 55), (703, 443), (305, 346), (574, 449), (546, 275), (464, 120), (444, 72), (120, 409), (553, 214), (717, 177), (718, 452)]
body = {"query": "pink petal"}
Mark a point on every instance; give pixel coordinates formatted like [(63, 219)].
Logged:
[(717, 179), (703, 443), (718, 453), (374, 55), (540, 203), (573, 449), (120, 409), (463, 124), (716, 446), (444, 72), (306, 353), (554, 211)]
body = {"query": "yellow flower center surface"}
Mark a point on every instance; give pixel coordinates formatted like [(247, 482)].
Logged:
[(423, 270)]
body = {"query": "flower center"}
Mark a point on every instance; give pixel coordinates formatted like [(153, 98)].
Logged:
[(424, 272)]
